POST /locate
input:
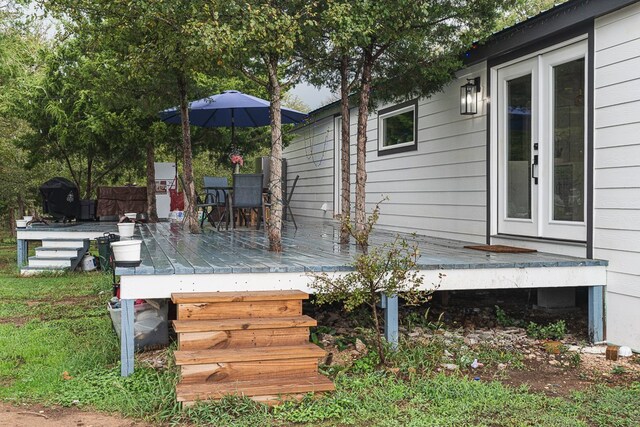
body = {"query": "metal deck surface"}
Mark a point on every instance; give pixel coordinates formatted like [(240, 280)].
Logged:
[(168, 249)]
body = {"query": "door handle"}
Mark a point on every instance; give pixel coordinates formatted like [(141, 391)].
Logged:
[(534, 169)]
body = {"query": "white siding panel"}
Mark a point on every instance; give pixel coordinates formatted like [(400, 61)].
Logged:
[(615, 136), (619, 53), (621, 261), (622, 320), (438, 190), (616, 234), (618, 177), (616, 198), (618, 219), (614, 157), (624, 92), (618, 114), (617, 27)]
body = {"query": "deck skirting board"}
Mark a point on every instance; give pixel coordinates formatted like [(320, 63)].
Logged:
[(162, 286)]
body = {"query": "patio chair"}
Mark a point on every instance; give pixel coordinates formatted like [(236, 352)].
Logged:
[(200, 204), (287, 201), (247, 194), (215, 194)]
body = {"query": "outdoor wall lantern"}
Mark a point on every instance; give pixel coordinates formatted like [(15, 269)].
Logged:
[(469, 97)]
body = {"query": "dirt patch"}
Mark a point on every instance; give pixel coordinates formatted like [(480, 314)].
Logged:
[(37, 415)]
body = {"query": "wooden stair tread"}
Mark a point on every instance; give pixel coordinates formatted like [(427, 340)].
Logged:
[(211, 297), (198, 357), (243, 324), (258, 387)]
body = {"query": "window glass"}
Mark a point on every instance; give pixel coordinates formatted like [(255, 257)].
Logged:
[(398, 129)]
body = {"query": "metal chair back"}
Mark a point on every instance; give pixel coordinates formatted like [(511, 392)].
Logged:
[(247, 191), (215, 196)]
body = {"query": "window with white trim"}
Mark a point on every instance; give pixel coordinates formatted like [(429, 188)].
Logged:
[(397, 128)]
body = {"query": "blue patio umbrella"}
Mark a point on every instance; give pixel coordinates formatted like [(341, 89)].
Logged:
[(232, 109)]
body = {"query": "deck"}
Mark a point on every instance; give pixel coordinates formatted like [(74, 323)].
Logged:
[(176, 261)]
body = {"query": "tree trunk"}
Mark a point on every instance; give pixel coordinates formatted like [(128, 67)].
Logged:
[(346, 148), (12, 219), (376, 322), (190, 214), (361, 153), (275, 180), (152, 211), (21, 209), (87, 191)]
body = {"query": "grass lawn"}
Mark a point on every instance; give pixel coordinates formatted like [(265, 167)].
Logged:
[(57, 347)]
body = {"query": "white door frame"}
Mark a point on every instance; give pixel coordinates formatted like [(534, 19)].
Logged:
[(337, 165), (546, 227)]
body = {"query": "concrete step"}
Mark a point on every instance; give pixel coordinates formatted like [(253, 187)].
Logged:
[(48, 252), (56, 262), (63, 243)]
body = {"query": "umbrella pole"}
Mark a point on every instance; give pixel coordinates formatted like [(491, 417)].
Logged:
[(233, 128)]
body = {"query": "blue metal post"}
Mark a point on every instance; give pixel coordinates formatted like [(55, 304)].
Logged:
[(596, 313), (126, 338), (23, 251), (390, 306)]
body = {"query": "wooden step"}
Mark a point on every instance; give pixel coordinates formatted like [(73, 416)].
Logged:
[(254, 388), (198, 357), (243, 324), (239, 296), (235, 310), (234, 371), (242, 338)]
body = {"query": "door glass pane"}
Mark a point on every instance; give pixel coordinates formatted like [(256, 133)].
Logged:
[(519, 147), (568, 141)]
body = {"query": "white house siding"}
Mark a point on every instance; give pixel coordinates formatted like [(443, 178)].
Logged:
[(310, 155), (438, 190), (617, 168)]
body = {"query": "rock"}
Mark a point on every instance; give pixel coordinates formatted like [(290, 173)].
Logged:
[(596, 349), (450, 366), (360, 346), (502, 366), (573, 348), (554, 362), (470, 341)]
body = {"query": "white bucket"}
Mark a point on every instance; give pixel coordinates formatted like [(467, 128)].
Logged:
[(126, 229), (28, 218), (131, 215), (89, 263), (21, 223), (126, 250)]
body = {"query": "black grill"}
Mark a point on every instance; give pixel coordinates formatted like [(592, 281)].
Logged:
[(60, 199)]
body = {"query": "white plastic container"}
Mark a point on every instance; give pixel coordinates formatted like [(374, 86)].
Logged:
[(21, 223), (28, 218), (126, 250), (89, 263), (126, 229), (131, 215)]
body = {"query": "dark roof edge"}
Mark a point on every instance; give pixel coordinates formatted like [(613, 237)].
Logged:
[(543, 25)]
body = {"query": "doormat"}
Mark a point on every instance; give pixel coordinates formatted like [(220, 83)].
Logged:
[(501, 249)]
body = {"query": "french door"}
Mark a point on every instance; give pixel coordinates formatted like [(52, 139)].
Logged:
[(541, 133)]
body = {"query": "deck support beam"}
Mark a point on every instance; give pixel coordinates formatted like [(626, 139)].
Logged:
[(23, 251), (390, 306), (596, 313), (126, 338)]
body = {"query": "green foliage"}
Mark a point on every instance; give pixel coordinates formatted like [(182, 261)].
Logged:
[(505, 320), (389, 269), (552, 331), (414, 318)]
